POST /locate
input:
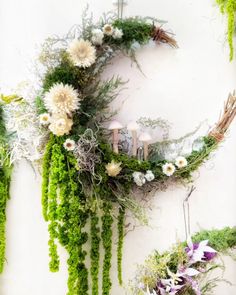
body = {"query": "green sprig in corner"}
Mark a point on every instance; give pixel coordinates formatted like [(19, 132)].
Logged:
[(5, 178), (229, 7)]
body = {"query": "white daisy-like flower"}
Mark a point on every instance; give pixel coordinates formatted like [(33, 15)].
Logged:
[(139, 178), (69, 144), (62, 98), (149, 175), (97, 36), (82, 53), (181, 162), (117, 33), (60, 125), (44, 119), (108, 29), (168, 169)]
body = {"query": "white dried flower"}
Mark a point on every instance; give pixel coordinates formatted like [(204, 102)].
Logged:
[(168, 169), (139, 178), (117, 33), (62, 99), (113, 168), (69, 144), (60, 125), (108, 29), (149, 175), (82, 53), (44, 119), (97, 36), (181, 162)]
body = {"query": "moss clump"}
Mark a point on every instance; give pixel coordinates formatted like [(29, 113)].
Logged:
[(121, 219)]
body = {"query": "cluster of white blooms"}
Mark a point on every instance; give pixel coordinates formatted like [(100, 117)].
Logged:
[(61, 101), (141, 178), (169, 168), (107, 30)]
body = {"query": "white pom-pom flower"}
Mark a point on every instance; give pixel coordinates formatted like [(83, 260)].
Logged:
[(108, 29), (82, 53), (149, 175), (168, 169), (69, 144), (97, 36), (44, 119), (181, 162), (139, 178), (117, 33), (62, 99), (60, 125)]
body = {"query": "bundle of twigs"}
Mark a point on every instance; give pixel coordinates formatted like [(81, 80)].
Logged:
[(225, 119), (162, 36)]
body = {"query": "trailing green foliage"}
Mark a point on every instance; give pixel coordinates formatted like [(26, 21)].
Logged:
[(220, 239), (121, 219), (107, 221), (95, 252), (5, 178), (229, 7)]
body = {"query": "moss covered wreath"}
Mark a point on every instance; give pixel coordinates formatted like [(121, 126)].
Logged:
[(86, 174)]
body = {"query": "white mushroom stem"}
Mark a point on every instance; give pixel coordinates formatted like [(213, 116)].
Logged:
[(145, 139), (115, 126), (133, 127)]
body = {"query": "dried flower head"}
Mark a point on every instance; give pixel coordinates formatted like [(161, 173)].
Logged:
[(108, 29), (168, 169), (62, 98), (113, 168), (181, 162), (97, 36), (82, 53), (44, 119), (69, 144), (60, 125)]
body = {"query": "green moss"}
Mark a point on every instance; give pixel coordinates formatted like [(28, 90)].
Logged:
[(134, 30), (121, 218), (107, 221), (95, 252)]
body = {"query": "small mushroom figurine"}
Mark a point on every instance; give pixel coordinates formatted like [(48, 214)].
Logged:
[(115, 126), (145, 138), (133, 127)]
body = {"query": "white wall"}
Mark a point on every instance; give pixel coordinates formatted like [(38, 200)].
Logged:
[(184, 86)]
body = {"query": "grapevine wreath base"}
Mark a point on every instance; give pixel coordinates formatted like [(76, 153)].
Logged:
[(88, 170)]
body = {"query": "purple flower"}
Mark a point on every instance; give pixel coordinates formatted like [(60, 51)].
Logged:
[(199, 252)]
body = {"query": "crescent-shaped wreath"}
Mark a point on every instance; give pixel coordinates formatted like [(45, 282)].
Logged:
[(84, 175)]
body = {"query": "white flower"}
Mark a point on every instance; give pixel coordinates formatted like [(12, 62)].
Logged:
[(139, 178), (149, 175), (60, 125), (44, 119), (108, 30), (97, 36), (181, 162), (69, 144), (117, 33), (82, 53), (168, 169), (62, 99)]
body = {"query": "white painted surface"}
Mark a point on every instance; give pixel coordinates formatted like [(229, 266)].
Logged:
[(184, 86)]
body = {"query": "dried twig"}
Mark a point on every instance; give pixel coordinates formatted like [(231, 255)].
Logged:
[(226, 118), (160, 35)]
